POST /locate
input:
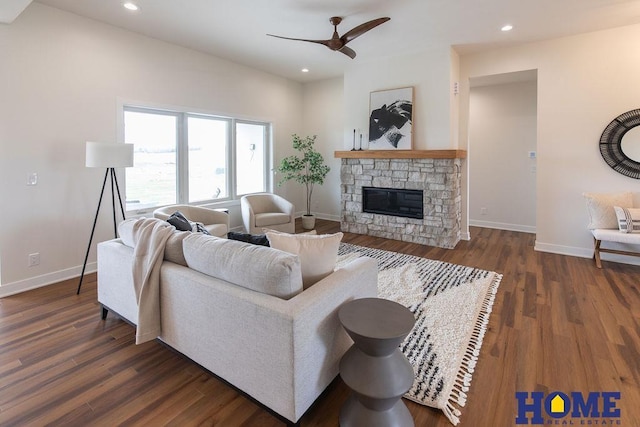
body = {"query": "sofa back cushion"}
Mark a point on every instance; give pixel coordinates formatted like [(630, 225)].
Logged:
[(258, 268)]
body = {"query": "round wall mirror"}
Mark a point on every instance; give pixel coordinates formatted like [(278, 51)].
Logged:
[(620, 144)]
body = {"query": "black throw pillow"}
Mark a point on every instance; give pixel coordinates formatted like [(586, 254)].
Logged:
[(179, 221), (254, 239)]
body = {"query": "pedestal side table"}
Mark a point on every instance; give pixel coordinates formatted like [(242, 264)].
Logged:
[(374, 368)]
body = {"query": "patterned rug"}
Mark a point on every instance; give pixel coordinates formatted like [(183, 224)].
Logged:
[(451, 304)]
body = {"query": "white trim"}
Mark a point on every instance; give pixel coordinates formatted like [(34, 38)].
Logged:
[(584, 253), (45, 280), (563, 250), (328, 217), (503, 226)]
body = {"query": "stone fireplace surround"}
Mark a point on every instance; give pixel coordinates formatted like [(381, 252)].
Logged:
[(436, 172)]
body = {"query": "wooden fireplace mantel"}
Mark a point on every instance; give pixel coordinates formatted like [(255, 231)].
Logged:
[(401, 154)]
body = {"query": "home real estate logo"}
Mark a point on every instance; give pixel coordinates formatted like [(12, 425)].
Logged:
[(576, 408)]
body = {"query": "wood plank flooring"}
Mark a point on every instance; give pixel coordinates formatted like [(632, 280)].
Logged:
[(558, 323)]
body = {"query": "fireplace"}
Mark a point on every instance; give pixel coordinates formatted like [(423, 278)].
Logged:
[(392, 201), (435, 216)]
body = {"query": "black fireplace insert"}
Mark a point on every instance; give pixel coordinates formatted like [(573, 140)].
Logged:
[(391, 201)]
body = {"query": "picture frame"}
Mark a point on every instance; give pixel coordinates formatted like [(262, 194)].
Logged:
[(391, 119)]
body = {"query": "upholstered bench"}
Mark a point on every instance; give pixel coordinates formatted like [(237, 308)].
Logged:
[(615, 236), (613, 220)]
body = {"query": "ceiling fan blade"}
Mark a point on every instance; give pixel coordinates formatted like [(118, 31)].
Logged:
[(322, 42), (347, 51), (361, 29)]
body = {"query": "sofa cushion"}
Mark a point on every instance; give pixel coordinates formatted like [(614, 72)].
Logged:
[(318, 253), (253, 267), (173, 247), (272, 218), (628, 219), (600, 207), (218, 230)]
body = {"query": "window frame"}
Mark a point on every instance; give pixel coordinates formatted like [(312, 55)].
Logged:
[(182, 154)]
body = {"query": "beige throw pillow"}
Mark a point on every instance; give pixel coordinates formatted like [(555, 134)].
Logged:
[(600, 207), (317, 253), (628, 219)]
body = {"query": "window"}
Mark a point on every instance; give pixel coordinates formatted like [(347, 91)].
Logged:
[(182, 157)]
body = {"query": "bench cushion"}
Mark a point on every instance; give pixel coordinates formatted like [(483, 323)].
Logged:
[(616, 236)]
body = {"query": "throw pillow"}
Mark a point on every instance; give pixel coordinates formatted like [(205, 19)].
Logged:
[(199, 228), (254, 239), (600, 207), (317, 253), (628, 219), (179, 221)]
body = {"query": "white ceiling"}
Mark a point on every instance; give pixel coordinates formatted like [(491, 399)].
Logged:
[(237, 30)]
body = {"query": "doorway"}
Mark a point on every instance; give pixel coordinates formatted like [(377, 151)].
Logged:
[(502, 151)]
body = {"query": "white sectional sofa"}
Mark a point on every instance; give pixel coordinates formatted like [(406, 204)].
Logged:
[(282, 352)]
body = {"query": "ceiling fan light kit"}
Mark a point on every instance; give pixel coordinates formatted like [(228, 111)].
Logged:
[(338, 43)]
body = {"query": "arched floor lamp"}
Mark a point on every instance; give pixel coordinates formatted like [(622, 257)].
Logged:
[(110, 156)]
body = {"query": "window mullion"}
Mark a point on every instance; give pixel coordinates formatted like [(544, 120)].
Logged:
[(231, 144), (182, 151)]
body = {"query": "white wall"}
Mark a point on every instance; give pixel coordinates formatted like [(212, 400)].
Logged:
[(61, 79), (502, 131), (324, 113), (430, 74), (584, 82)]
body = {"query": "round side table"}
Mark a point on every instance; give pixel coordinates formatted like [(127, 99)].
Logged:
[(374, 368)]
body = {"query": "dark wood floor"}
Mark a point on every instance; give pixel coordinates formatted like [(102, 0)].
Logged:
[(558, 323)]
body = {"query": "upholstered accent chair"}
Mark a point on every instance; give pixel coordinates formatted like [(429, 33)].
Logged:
[(215, 221), (266, 210)]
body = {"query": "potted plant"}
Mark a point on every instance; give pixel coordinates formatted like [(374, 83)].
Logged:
[(307, 168)]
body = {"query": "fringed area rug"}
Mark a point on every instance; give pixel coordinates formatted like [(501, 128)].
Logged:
[(451, 304)]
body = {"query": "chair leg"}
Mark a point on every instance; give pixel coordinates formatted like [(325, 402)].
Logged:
[(596, 253)]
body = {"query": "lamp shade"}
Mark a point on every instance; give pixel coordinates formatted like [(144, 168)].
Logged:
[(109, 155)]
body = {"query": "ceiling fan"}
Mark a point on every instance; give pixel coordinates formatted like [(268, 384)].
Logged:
[(340, 43)]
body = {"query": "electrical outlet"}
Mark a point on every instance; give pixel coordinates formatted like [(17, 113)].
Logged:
[(483, 211), (34, 259)]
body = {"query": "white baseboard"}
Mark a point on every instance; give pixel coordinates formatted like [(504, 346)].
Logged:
[(320, 215), (563, 250), (328, 217), (503, 226), (586, 253), (45, 279)]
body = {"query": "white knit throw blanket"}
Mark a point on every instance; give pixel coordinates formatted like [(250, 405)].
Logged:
[(150, 237)]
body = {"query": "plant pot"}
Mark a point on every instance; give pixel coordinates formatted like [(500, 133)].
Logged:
[(308, 222)]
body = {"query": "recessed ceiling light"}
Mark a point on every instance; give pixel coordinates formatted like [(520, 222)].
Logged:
[(305, 70), (130, 6), (507, 28)]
